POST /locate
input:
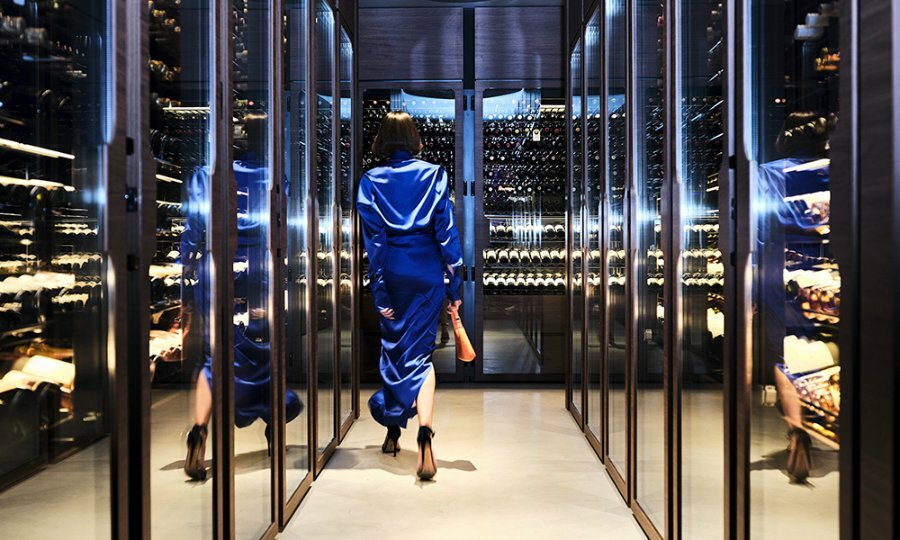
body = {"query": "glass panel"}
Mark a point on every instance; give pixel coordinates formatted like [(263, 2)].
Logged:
[(251, 72), (347, 196), (650, 439), (593, 193), (296, 155), (576, 205), (524, 216), (434, 112), (796, 313), (615, 166), (699, 155), (54, 413), (181, 139), (325, 193)]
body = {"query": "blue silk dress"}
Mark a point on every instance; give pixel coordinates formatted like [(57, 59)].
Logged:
[(252, 358), (411, 238)]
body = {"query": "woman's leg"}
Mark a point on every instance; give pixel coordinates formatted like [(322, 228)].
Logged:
[(202, 401), (425, 400), (790, 400)]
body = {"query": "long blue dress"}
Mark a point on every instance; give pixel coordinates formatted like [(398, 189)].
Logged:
[(252, 358), (411, 238)]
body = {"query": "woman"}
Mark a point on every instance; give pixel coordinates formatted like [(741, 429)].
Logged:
[(412, 242)]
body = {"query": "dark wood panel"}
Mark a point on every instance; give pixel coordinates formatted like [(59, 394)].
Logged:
[(410, 44), (878, 285), (519, 43), (347, 10), (575, 16)]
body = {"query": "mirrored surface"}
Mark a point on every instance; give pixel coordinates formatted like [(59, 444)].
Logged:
[(699, 154), (593, 197), (796, 373), (182, 283), (55, 115), (296, 172), (326, 266), (347, 185), (615, 166), (576, 233), (251, 75), (649, 145)]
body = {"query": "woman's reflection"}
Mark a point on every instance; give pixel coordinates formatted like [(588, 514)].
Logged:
[(252, 368)]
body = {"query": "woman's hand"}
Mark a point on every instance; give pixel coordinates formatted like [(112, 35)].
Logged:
[(387, 313), (453, 306)]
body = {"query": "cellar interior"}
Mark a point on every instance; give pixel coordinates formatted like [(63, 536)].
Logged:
[(673, 215)]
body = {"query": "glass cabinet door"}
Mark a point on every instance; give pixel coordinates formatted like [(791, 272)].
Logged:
[(252, 180), (796, 371), (434, 111), (55, 119), (347, 196), (594, 316), (325, 203), (699, 155), (614, 109), (649, 146), (576, 233), (295, 20), (522, 235), (182, 139)]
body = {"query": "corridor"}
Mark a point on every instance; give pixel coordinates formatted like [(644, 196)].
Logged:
[(512, 464)]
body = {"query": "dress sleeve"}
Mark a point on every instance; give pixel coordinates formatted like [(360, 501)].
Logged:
[(447, 236), (375, 239)]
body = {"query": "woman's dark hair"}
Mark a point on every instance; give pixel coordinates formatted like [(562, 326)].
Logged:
[(805, 134), (398, 132)]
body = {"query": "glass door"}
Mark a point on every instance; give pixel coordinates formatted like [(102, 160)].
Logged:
[(347, 196), (576, 233), (699, 147), (649, 230), (796, 370), (252, 180), (55, 120), (520, 235), (595, 313), (182, 135), (615, 143), (326, 266), (297, 153), (435, 111)]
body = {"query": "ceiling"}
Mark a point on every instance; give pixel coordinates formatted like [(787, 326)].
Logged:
[(457, 3)]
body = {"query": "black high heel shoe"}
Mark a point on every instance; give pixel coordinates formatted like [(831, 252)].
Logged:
[(429, 467), (391, 441), (194, 465), (799, 461)]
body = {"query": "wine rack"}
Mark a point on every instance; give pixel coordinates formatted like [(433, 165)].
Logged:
[(524, 198), (52, 364)]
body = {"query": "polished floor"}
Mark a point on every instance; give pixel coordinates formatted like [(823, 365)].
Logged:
[(512, 464)]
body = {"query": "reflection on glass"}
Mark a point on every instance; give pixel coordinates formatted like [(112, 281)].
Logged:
[(296, 155), (576, 206), (524, 257), (252, 268), (650, 174), (615, 166), (181, 287), (593, 196), (53, 365), (347, 193), (434, 112), (325, 198), (699, 154), (796, 369)]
